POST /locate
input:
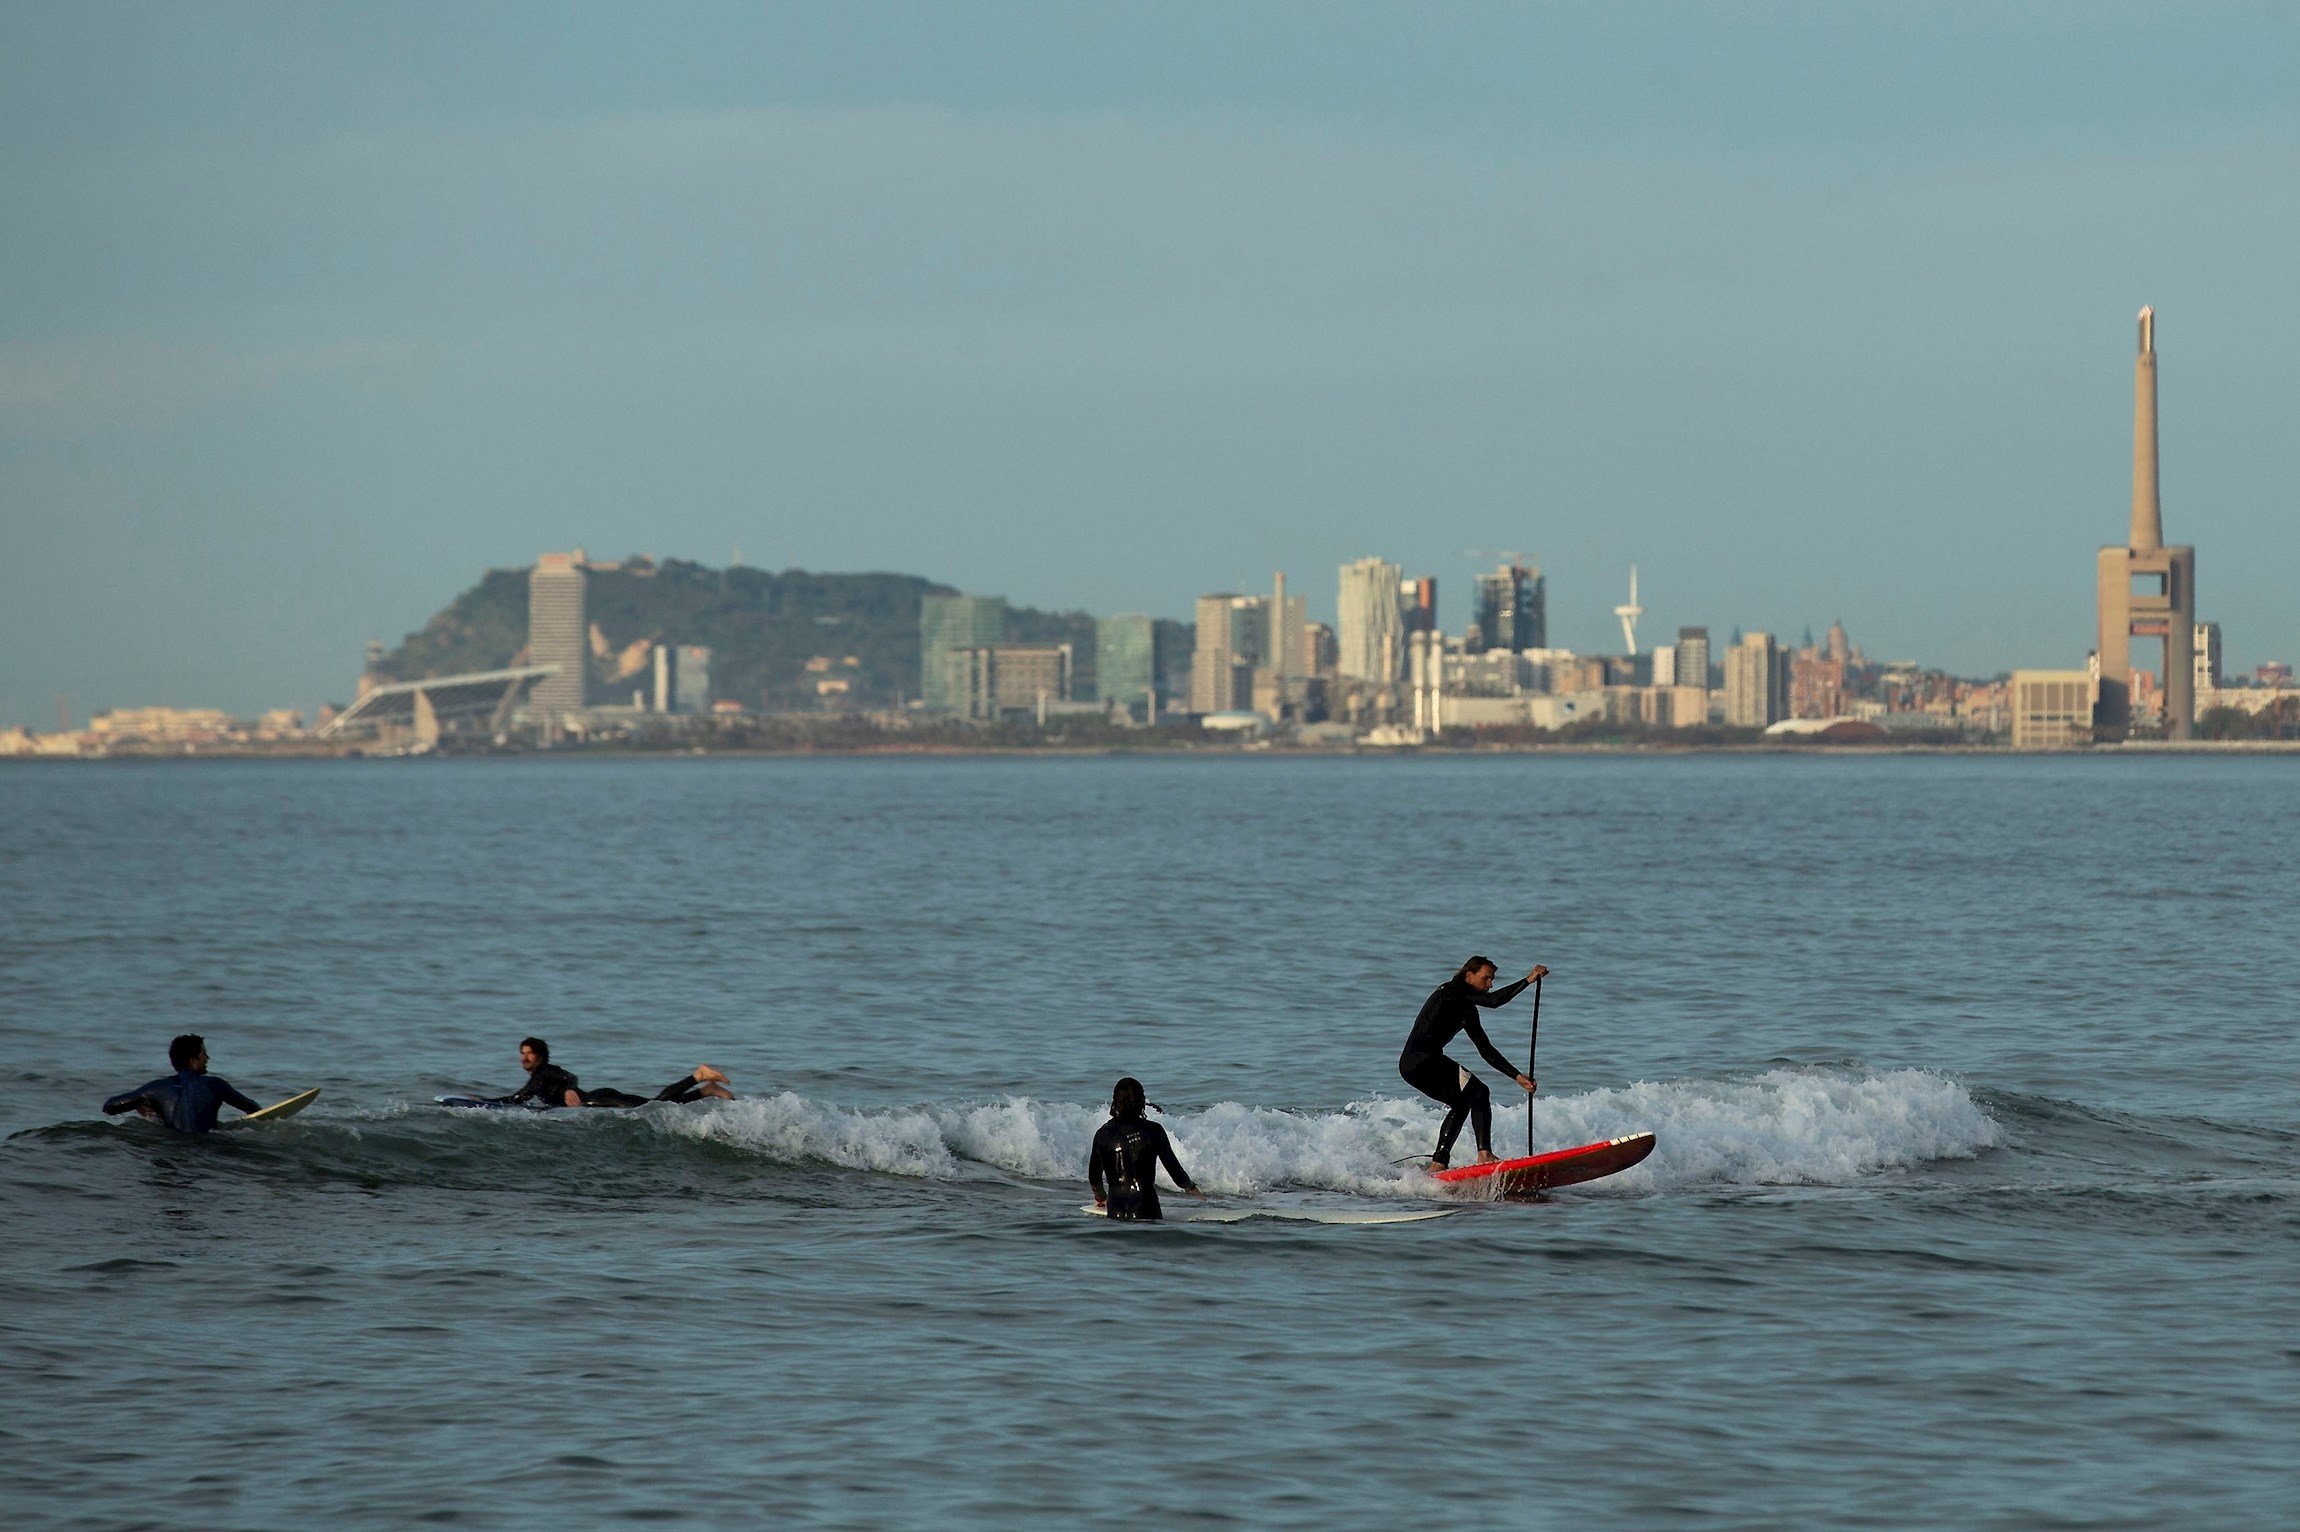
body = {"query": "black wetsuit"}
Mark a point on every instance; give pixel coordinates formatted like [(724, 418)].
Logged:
[(1452, 1008), (186, 1102), (1123, 1167), (548, 1085)]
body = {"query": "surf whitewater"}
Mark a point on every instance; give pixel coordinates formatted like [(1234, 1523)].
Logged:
[(1808, 1126)]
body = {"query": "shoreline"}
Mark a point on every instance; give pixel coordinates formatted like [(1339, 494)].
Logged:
[(1178, 751)]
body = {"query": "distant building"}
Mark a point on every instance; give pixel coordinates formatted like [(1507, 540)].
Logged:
[(1512, 608), (947, 624), (1816, 686), (991, 680), (557, 634), (1756, 682), (682, 678), (1324, 652), (2208, 659), (1417, 603), (2147, 589), (1127, 662), (1233, 634), (1370, 625), (162, 725), (2052, 709), (1693, 657), (1664, 666)]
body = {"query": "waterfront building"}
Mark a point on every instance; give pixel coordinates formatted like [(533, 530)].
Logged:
[(1323, 652), (2146, 589), (2208, 658), (1370, 625), (557, 634), (1664, 666), (990, 680), (1417, 603), (1816, 685), (1232, 639), (1127, 664), (2053, 709), (1692, 665), (162, 725), (947, 624), (1756, 682), (682, 678), (1512, 608)]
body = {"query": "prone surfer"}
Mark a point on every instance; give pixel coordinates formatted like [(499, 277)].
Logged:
[(1452, 1008), (1128, 1149), (187, 1100), (549, 1085)]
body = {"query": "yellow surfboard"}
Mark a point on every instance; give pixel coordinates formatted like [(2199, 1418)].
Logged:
[(279, 1109)]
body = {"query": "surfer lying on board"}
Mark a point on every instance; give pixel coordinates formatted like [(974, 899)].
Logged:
[(549, 1085), (187, 1100), (1452, 1007), (1128, 1149)]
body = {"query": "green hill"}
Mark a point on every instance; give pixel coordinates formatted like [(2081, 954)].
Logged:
[(762, 627)]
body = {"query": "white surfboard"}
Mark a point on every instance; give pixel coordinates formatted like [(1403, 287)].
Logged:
[(1291, 1215), (279, 1109)]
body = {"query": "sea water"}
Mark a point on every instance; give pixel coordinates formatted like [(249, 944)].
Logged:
[(1974, 1203)]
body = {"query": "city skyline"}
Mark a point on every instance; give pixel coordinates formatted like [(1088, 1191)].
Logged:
[(1106, 319)]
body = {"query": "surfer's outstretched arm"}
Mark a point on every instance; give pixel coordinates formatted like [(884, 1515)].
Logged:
[(1173, 1165), (234, 1098)]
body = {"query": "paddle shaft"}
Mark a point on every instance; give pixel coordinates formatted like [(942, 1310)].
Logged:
[(1531, 1044)]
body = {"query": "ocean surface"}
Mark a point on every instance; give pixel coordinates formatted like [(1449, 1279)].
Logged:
[(1975, 1203)]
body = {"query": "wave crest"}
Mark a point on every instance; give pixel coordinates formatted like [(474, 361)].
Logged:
[(1784, 1127)]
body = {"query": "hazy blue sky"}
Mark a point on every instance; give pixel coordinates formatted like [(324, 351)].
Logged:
[(309, 313)]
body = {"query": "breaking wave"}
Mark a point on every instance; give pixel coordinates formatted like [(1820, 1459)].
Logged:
[(1784, 1127)]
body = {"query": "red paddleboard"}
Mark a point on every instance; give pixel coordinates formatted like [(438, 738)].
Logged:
[(1527, 1174)]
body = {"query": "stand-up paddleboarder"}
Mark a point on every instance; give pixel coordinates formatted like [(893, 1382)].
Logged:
[(1451, 1008)]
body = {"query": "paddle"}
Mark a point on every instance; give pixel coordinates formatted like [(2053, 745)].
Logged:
[(1531, 1044)]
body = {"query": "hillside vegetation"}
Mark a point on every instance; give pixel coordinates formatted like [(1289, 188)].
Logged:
[(762, 627)]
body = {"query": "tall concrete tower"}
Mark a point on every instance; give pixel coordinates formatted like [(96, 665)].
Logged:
[(556, 632), (2146, 589)]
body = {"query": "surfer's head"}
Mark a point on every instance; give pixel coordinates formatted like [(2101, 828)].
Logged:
[(1477, 973), (189, 1052), (1126, 1098), (534, 1053)]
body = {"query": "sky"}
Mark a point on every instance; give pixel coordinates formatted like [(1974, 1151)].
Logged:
[(310, 313)]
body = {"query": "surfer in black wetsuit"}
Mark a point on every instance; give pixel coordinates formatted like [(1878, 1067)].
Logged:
[(1128, 1149), (1452, 1007), (549, 1085), (187, 1100)]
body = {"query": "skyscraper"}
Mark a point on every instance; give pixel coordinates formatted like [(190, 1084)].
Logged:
[(947, 624), (556, 631), (1233, 635), (1693, 657), (1756, 682), (1370, 626), (1126, 668), (1511, 609), (1418, 600), (2146, 589)]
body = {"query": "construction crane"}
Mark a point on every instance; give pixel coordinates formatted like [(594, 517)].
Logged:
[(1629, 614)]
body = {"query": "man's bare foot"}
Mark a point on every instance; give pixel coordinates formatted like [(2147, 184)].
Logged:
[(706, 1072), (1488, 1157)]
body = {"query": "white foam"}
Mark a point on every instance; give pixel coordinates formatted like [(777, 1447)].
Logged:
[(1821, 1127)]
